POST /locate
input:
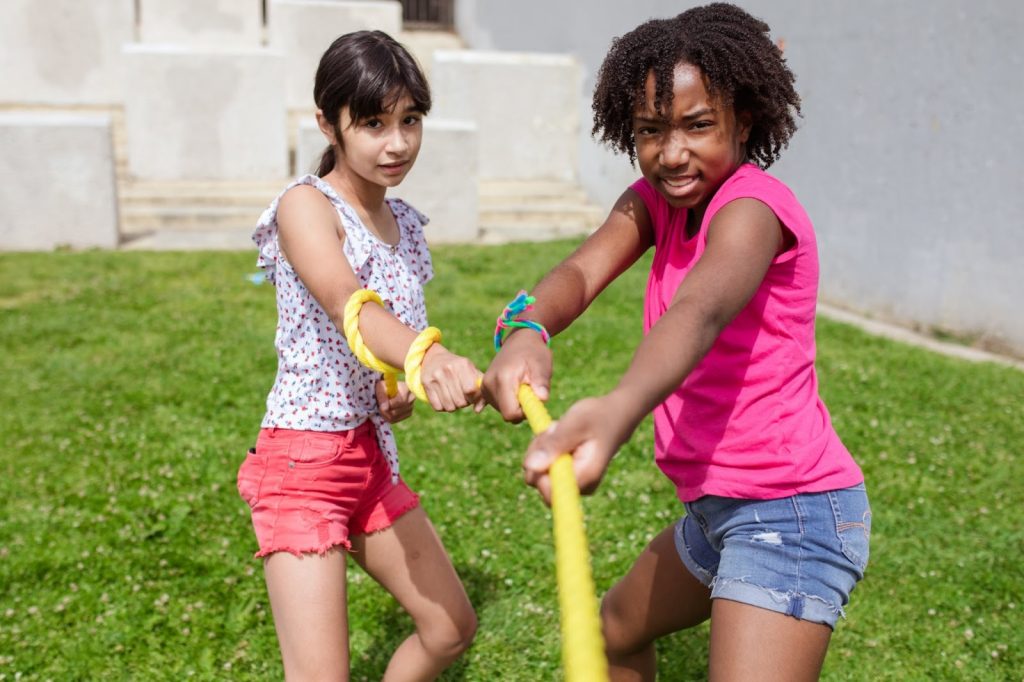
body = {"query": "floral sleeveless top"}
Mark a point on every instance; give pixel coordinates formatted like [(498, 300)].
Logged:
[(320, 385)]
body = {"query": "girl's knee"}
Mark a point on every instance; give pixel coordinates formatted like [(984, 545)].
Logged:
[(621, 636), (451, 639)]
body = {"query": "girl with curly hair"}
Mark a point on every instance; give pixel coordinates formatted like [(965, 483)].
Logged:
[(775, 534)]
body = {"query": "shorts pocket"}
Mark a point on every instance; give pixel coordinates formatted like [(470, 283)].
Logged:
[(315, 451), (853, 523), (250, 476)]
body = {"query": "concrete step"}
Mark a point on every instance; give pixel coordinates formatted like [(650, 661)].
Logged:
[(192, 218), (189, 240), (213, 215), (534, 210), (193, 206), (541, 212), (571, 196), (517, 231), (501, 189), (198, 193)]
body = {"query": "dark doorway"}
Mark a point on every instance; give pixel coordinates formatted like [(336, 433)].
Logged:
[(429, 14)]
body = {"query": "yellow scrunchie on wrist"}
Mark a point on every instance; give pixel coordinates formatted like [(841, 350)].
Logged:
[(355, 339), (414, 360)]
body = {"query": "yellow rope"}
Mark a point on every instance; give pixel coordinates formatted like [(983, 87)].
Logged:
[(414, 360), (582, 643), (355, 339)]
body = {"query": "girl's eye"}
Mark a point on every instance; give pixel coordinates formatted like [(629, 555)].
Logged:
[(647, 130), (700, 125), (411, 120), (374, 123)]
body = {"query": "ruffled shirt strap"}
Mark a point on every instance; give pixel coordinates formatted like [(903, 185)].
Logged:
[(357, 245)]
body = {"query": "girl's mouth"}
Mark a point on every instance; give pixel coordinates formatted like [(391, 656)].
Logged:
[(393, 168), (679, 182)]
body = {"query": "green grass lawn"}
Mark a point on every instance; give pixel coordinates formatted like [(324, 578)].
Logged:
[(132, 384)]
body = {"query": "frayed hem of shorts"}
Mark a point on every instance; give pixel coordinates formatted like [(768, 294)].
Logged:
[(321, 550), (822, 611), (390, 521)]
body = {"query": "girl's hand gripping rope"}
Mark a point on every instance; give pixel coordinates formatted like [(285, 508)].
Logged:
[(447, 381), (398, 407), (591, 431), (524, 357), (450, 382)]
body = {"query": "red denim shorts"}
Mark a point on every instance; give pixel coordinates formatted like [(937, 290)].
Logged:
[(310, 491)]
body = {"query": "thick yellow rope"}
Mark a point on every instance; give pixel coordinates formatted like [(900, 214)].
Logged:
[(414, 360), (355, 339), (582, 643)]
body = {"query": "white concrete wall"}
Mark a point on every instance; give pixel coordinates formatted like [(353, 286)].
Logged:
[(65, 52), (57, 184), (908, 154), (304, 29), (193, 114), (217, 23), (443, 185), (524, 105), (310, 144)]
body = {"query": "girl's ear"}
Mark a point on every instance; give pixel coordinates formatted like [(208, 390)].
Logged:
[(744, 122), (326, 127)]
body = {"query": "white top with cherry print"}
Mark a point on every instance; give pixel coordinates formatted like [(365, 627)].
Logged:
[(320, 384)]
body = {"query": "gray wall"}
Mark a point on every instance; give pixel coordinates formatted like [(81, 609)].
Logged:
[(908, 156)]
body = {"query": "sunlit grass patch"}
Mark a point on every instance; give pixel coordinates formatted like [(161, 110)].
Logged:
[(134, 382)]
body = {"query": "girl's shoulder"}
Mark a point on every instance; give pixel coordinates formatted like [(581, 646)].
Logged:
[(750, 180), (312, 188), (301, 196)]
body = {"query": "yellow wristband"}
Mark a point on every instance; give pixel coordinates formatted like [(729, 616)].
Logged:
[(355, 339), (414, 360)]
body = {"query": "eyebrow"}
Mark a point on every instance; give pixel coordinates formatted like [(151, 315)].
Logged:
[(662, 119)]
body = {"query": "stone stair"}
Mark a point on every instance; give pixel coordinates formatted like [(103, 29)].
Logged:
[(173, 214), (223, 214), (176, 214), (534, 210), (217, 215)]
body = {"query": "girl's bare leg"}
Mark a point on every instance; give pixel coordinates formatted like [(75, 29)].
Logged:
[(751, 643), (410, 562), (658, 596), (307, 597)]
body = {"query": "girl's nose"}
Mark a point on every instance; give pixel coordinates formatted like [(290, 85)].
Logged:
[(676, 151), (397, 142)]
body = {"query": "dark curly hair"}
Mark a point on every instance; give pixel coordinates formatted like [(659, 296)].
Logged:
[(740, 64)]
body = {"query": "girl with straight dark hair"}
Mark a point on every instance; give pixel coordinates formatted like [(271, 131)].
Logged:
[(323, 480)]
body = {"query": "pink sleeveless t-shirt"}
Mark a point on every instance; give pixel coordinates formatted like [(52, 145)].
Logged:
[(747, 422)]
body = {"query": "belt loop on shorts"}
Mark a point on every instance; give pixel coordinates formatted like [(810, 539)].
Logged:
[(352, 434)]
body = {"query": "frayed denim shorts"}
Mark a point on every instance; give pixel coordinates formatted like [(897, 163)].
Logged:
[(799, 555)]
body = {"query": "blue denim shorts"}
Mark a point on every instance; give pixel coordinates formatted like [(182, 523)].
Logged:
[(799, 555)]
